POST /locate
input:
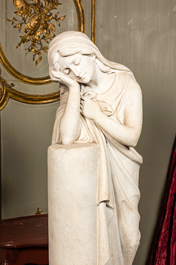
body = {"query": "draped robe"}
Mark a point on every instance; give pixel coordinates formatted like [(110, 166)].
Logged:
[(117, 184)]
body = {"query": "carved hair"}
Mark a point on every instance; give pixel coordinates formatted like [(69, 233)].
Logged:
[(71, 42), (101, 66)]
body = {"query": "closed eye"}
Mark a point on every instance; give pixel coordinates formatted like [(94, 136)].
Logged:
[(76, 62), (66, 71)]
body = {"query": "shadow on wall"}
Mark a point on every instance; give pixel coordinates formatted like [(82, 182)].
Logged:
[(161, 214)]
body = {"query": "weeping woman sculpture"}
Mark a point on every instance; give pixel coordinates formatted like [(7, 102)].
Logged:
[(101, 103)]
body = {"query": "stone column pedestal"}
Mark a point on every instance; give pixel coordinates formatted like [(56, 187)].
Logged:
[(72, 189)]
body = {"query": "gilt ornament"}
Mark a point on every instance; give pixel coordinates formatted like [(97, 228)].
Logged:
[(36, 17)]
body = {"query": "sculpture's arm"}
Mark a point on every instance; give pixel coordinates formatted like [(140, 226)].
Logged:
[(128, 133), (69, 124)]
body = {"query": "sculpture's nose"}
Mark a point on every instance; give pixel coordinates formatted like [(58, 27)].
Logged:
[(75, 70)]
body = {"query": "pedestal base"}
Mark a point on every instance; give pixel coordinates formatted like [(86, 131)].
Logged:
[(72, 189)]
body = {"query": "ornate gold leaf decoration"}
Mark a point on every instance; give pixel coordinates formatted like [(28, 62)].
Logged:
[(38, 28), (21, 77), (7, 91), (40, 80), (93, 22)]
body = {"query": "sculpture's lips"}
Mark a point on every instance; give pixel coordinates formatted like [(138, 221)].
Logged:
[(81, 76)]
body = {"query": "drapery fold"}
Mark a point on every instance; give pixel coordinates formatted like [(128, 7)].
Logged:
[(118, 194), (164, 252)]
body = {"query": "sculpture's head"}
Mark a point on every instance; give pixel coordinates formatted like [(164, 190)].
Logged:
[(71, 48)]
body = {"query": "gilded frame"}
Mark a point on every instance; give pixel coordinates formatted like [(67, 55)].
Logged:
[(7, 91), (40, 80)]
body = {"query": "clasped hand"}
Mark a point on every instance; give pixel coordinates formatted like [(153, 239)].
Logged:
[(90, 108)]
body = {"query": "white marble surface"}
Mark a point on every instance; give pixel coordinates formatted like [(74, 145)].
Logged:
[(72, 184), (101, 103)]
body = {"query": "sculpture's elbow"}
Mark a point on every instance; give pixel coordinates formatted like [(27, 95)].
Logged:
[(133, 144), (134, 137), (68, 138), (134, 141), (66, 141)]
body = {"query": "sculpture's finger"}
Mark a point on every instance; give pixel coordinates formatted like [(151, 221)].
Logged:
[(81, 108), (81, 101), (84, 98)]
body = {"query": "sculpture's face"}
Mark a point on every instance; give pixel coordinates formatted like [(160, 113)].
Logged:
[(79, 67)]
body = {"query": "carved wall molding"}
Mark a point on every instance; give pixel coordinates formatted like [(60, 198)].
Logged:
[(36, 20), (7, 91), (93, 24), (40, 80), (21, 77)]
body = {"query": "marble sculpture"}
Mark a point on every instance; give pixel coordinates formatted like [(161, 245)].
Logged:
[(92, 164)]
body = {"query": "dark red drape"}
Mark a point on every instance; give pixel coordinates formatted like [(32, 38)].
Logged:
[(165, 248)]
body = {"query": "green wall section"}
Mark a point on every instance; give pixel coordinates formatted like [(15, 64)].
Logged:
[(140, 34), (26, 130)]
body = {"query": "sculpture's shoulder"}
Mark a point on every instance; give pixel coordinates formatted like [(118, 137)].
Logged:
[(122, 79), (133, 91), (133, 85), (124, 76), (127, 78), (127, 85)]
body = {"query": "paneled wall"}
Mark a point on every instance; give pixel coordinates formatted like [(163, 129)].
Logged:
[(26, 130), (140, 34)]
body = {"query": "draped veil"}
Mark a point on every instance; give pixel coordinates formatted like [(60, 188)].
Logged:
[(117, 184)]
